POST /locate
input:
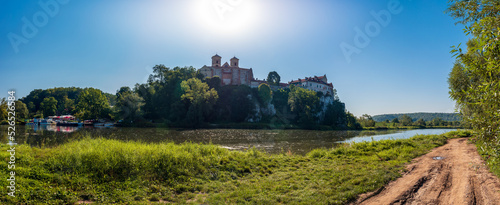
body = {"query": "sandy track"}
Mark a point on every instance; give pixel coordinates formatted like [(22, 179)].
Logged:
[(461, 177)]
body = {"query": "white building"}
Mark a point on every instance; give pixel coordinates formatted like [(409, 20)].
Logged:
[(318, 84)]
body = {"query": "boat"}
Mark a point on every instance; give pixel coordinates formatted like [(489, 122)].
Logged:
[(47, 122), (88, 123), (104, 124)]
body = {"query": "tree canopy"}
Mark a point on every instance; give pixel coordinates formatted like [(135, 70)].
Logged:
[(92, 104), (182, 97), (475, 78), (303, 103), (200, 99), (273, 78), (265, 93)]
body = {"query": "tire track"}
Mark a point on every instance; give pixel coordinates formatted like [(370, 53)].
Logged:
[(458, 177)]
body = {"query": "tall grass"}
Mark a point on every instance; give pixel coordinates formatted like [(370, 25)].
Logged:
[(112, 171)]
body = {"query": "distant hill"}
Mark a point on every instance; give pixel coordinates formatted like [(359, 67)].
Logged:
[(416, 116)]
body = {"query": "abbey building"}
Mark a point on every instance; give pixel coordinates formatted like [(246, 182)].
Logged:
[(230, 73)]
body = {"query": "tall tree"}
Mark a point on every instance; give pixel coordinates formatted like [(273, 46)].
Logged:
[(273, 78), (352, 123), (420, 122), (129, 105), (479, 66), (304, 103), (335, 115), (67, 106), (406, 120), (366, 120), (49, 106), (265, 93), (92, 104), (395, 120), (200, 98), (22, 112)]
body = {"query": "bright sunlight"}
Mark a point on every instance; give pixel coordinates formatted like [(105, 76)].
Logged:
[(226, 17)]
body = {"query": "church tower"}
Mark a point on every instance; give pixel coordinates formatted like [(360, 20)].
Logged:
[(235, 62), (216, 61)]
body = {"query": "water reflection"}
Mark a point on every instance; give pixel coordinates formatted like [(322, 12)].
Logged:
[(53, 128), (272, 141), (399, 135)]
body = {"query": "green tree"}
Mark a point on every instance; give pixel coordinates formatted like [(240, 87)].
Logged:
[(3, 109), (163, 91), (406, 120), (213, 82), (420, 123), (395, 120), (128, 105), (304, 104), (200, 98), (22, 112), (273, 78), (62, 95), (280, 100), (111, 99), (335, 115), (67, 106), (265, 93), (241, 105), (352, 123), (49, 106), (366, 121), (478, 68), (438, 122), (92, 104)]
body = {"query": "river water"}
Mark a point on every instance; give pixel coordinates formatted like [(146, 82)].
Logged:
[(271, 141)]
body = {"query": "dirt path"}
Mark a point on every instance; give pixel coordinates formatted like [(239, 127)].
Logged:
[(461, 177)]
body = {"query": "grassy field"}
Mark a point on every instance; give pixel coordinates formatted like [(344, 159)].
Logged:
[(111, 171)]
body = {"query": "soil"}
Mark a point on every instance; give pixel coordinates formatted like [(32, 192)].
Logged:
[(450, 174)]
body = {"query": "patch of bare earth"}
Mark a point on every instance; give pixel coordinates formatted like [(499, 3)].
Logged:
[(459, 176)]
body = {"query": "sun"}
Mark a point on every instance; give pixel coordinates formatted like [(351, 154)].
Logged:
[(226, 17)]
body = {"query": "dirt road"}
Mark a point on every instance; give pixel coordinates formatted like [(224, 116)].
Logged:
[(459, 176)]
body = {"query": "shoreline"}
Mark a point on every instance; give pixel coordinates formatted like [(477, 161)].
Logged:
[(111, 171)]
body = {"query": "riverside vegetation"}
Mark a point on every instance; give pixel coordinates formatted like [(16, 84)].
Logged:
[(475, 78), (182, 97), (112, 171)]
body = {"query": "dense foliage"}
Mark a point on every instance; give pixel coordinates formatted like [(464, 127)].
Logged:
[(182, 97), (87, 103), (273, 78), (405, 121), (450, 117), (475, 78)]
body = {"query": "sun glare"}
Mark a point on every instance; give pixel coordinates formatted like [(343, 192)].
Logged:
[(226, 17)]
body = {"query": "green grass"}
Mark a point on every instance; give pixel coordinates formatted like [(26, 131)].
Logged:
[(111, 171), (490, 152)]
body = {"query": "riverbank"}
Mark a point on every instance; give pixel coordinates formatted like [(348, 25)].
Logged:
[(413, 127), (112, 171)]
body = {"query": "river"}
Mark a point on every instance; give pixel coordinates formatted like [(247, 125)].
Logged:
[(271, 141)]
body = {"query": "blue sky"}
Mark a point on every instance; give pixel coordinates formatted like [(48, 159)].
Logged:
[(403, 67)]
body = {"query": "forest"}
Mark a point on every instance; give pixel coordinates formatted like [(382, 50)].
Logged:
[(449, 117), (182, 97)]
